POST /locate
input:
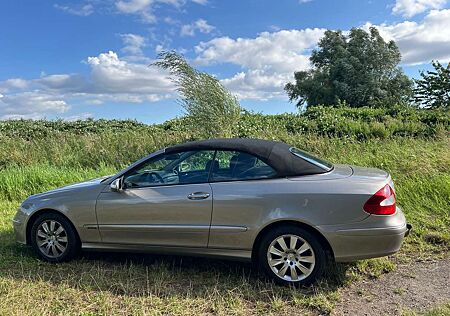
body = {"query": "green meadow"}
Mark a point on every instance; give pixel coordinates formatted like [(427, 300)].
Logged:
[(35, 156)]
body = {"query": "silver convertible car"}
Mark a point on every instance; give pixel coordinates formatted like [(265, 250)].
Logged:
[(249, 199)]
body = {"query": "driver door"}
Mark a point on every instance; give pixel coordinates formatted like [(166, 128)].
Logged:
[(167, 201)]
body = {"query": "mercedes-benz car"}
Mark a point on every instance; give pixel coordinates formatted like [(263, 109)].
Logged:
[(289, 212)]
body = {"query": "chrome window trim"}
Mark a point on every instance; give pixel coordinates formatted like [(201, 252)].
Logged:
[(312, 161)]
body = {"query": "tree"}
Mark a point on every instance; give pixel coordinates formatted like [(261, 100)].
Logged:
[(211, 108), (433, 90), (360, 69)]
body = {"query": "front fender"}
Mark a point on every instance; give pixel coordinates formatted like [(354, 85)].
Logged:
[(78, 206)]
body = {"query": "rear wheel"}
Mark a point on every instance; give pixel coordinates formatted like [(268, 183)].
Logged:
[(53, 238), (291, 255)]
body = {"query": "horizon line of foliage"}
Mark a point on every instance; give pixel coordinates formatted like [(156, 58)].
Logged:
[(353, 123)]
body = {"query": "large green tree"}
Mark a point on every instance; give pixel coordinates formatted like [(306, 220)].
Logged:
[(360, 69), (433, 90)]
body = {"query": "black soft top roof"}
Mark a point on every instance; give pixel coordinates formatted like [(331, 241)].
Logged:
[(274, 153)]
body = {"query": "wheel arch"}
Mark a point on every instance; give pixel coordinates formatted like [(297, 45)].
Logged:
[(321, 238), (38, 213)]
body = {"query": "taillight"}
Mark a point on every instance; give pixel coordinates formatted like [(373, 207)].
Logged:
[(382, 202)]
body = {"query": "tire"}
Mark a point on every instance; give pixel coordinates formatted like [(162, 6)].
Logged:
[(54, 239), (299, 265)]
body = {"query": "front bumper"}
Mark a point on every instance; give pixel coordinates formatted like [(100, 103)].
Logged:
[(376, 236), (19, 232), (19, 224)]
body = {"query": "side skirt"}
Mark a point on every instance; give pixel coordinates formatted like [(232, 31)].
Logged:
[(232, 254)]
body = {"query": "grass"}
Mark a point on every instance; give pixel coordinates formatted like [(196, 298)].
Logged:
[(442, 310), (106, 284), (126, 284)]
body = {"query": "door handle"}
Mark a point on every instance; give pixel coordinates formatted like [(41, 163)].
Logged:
[(198, 196)]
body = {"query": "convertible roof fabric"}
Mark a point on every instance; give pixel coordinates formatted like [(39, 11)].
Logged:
[(274, 153)]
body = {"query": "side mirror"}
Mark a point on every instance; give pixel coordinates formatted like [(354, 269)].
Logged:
[(116, 185)]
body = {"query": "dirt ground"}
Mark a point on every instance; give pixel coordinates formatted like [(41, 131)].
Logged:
[(416, 286)]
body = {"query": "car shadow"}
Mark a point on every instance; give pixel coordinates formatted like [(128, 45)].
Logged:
[(137, 275)]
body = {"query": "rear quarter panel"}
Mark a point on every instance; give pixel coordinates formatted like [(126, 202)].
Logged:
[(241, 209)]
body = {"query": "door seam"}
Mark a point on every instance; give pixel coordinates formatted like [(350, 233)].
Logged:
[(212, 212)]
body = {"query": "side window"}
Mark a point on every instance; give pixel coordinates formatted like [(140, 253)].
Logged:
[(168, 169), (234, 165)]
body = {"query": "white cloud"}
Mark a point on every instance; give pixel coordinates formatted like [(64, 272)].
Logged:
[(81, 116), (200, 25), (171, 21), (111, 79), (420, 42), (274, 28), (268, 61), (109, 74), (304, 1), (15, 83), (278, 51), (133, 47), (257, 84), (84, 10), (145, 8), (409, 8), (63, 83), (31, 105), (133, 6), (95, 102), (133, 44), (187, 30)]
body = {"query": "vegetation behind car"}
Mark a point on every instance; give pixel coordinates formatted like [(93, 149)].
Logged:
[(75, 151)]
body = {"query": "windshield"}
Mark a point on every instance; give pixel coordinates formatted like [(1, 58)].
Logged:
[(323, 164), (105, 178)]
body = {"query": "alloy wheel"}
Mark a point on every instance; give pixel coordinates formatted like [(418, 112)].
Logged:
[(291, 258), (51, 238)]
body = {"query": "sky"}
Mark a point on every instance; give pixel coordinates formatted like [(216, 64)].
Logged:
[(92, 58)]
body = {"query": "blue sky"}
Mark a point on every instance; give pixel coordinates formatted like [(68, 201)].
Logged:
[(78, 59)]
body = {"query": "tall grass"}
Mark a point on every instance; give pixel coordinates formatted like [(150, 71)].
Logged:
[(17, 183), (38, 156), (211, 109), (420, 167)]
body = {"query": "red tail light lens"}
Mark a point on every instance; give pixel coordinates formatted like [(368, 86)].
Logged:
[(382, 202)]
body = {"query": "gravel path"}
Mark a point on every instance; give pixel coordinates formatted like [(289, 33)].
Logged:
[(416, 286)]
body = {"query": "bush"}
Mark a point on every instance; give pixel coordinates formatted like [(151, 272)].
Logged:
[(358, 123), (355, 123)]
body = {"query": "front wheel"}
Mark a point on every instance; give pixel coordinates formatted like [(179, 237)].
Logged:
[(53, 238), (291, 255)]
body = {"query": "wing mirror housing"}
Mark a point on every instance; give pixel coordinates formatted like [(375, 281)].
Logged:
[(117, 185)]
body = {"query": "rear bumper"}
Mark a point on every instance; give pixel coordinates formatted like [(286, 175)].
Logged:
[(376, 236)]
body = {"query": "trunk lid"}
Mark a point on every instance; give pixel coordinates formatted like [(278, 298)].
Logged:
[(338, 172), (365, 173)]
